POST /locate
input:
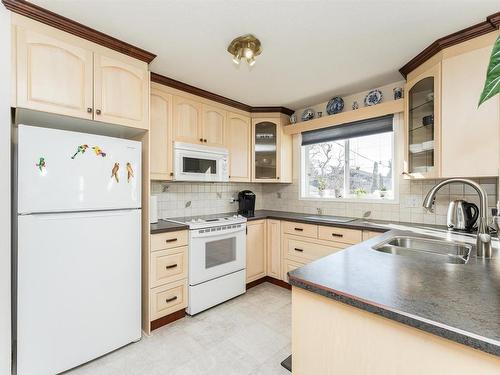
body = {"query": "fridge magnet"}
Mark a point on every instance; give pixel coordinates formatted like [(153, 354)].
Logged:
[(98, 151), (80, 150), (41, 164), (130, 172), (114, 172)]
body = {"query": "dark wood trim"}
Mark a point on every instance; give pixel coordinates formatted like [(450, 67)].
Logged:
[(491, 24), (269, 279), (167, 319), (47, 17), (170, 82)]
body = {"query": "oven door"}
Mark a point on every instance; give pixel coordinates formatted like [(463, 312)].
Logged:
[(215, 252)]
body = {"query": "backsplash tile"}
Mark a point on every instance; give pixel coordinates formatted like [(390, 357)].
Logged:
[(176, 199)]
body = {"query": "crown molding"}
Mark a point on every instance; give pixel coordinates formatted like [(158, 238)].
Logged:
[(57, 21)]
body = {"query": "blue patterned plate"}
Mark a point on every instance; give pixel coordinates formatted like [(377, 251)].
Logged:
[(373, 97), (335, 105), (308, 114)]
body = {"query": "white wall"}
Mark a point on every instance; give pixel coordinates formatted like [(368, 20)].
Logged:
[(5, 191)]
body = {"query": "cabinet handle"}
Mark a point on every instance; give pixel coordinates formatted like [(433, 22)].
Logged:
[(89, 110), (337, 235), (98, 111), (201, 139), (171, 173), (171, 299), (205, 140), (171, 240), (171, 266), (278, 178), (297, 249), (299, 229)]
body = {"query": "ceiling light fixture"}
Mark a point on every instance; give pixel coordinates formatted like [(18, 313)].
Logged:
[(245, 46)]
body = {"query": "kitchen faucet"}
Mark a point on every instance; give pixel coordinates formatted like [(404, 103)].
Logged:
[(483, 240)]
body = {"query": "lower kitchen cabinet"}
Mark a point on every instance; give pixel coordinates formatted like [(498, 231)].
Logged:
[(274, 248), (256, 250)]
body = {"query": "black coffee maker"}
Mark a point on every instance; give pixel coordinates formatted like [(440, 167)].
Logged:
[(246, 199)]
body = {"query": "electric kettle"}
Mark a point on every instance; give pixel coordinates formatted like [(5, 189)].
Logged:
[(461, 215)]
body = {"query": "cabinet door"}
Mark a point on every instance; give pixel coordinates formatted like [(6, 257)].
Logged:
[(470, 134), (238, 142), (265, 142), (53, 75), (422, 124), (121, 92), (273, 249), (187, 120), (161, 136), (256, 250), (213, 125)]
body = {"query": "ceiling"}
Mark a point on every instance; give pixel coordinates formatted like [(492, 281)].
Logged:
[(312, 49)]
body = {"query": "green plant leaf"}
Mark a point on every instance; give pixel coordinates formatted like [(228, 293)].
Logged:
[(492, 84)]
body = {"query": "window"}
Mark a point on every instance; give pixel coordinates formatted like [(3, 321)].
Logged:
[(358, 167)]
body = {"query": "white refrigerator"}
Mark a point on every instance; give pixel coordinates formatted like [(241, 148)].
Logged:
[(78, 253)]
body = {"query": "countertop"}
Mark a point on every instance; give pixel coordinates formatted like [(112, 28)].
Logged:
[(460, 302), (167, 226)]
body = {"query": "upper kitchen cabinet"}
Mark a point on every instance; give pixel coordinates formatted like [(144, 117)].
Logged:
[(213, 124), (54, 74), (161, 146), (473, 150), (272, 151), (423, 124), (187, 120), (121, 91), (447, 134), (238, 139), (60, 73)]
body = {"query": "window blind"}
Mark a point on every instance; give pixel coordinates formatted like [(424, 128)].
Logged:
[(354, 129)]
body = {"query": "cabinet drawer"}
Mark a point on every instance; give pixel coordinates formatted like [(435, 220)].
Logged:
[(304, 251), (168, 266), (290, 265), (350, 236), (168, 298), (299, 229), (367, 234), (168, 240)]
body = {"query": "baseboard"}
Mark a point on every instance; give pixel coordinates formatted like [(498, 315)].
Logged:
[(271, 280), (164, 320)]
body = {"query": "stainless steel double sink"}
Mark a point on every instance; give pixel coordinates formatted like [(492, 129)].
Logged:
[(427, 249)]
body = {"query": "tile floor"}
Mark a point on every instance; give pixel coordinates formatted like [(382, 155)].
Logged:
[(250, 334)]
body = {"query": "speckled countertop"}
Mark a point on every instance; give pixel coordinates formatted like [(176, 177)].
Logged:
[(460, 302)]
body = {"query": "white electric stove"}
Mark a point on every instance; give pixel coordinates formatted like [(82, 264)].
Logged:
[(217, 259)]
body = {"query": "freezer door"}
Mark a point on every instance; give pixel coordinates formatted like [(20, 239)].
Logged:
[(78, 288), (68, 171)]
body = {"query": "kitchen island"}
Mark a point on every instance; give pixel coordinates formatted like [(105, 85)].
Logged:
[(361, 311)]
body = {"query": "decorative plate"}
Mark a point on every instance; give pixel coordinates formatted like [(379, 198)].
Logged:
[(293, 118), (335, 105), (373, 97), (308, 114)]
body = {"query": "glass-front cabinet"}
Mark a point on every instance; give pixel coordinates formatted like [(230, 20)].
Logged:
[(422, 125), (265, 150)]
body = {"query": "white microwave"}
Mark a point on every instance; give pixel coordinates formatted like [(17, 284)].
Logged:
[(200, 163)]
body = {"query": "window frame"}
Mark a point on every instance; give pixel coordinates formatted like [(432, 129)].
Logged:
[(396, 177)]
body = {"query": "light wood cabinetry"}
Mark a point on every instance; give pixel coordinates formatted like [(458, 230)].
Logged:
[(272, 151), (60, 73), (213, 126), (187, 120), (256, 250), (167, 276), (238, 141), (470, 134), (54, 74), (300, 229), (367, 234), (160, 131), (274, 248), (121, 91), (343, 235)]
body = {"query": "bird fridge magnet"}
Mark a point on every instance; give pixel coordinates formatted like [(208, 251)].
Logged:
[(80, 150), (98, 151), (114, 172), (130, 172), (41, 164)]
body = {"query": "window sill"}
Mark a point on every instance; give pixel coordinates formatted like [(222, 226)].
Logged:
[(351, 200)]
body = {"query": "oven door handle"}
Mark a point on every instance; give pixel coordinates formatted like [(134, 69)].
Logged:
[(195, 233)]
